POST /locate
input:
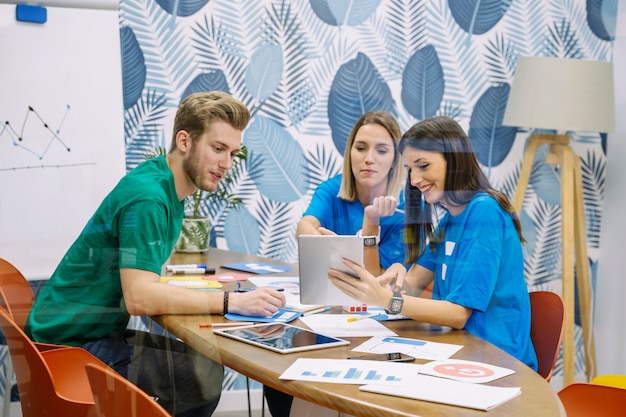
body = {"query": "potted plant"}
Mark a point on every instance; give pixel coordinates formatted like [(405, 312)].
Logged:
[(196, 230)]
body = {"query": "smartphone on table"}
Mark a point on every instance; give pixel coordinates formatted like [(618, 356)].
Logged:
[(391, 357)]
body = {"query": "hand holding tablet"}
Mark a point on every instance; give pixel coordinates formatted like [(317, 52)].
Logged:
[(319, 253)]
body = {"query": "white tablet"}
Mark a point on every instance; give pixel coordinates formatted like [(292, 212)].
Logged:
[(280, 337), (316, 255)]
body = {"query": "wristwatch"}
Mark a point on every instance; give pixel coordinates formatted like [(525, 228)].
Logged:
[(395, 305), (369, 241)]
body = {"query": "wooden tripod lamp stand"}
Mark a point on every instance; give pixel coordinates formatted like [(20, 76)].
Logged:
[(564, 95)]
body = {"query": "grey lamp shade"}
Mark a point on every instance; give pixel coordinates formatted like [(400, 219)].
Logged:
[(562, 94)]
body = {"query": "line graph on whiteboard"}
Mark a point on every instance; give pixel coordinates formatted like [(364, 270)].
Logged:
[(35, 137)]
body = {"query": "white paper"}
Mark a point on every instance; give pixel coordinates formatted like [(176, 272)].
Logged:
[(351, 371), (291, 285), (421, 349), (465, 371), (338, 325), (446, 391)]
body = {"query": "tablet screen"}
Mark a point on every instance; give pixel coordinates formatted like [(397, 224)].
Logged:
[(281, 337)]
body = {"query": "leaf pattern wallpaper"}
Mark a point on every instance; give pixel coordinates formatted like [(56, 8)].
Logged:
[(307, 69)]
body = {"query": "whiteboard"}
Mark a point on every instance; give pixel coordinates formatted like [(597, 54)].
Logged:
[(66, 75), (83, 4)]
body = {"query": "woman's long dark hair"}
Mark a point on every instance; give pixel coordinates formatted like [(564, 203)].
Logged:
[(464, 178)]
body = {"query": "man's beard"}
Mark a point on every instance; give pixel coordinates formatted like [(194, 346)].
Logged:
[(191, 168)]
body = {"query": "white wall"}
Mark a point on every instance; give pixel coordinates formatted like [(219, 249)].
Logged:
[(610, 307)]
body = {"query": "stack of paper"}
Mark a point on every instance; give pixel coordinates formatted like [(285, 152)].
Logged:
[(446, 391)]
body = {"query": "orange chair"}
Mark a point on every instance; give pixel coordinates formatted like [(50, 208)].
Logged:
[(52, 382), (591, 400), (16, 294), (547, 312), (115, 396)]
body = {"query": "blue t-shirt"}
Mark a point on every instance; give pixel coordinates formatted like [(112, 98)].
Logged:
[(480, 265), (346, 218)]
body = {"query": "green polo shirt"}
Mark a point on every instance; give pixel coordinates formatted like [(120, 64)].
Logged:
[(136, 226)]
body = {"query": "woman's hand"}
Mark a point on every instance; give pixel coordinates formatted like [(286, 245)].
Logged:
[(393, 277), (309, 225), (324, 231), (364, 287), (381, 207)]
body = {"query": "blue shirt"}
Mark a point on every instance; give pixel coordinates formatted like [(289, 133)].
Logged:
[(346, 218), (480, 265)]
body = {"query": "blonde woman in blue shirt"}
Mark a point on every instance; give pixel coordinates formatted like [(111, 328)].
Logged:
[(366, 198)]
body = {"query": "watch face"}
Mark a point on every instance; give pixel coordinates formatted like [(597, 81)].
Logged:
[(369, 241), (396, 306)]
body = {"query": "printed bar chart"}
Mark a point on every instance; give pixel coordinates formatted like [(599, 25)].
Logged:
[(350, 371)]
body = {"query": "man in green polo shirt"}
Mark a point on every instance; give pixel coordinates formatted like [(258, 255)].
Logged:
[(112, 271)]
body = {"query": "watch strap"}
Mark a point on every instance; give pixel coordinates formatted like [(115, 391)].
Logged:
[(369, 241)]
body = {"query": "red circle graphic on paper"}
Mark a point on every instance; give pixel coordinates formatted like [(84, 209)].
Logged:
[(464, 370)]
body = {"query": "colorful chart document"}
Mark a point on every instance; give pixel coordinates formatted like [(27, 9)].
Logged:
[(351, 371), (465, 371)]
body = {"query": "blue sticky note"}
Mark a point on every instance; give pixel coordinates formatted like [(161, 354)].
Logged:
[(31, 14), (281, 316), (414, 342), (257, 267)]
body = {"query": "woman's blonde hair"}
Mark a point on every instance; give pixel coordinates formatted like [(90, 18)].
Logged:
[(395, 178)]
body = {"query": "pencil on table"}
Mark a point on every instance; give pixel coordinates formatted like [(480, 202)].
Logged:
[(238, 323), (369, 316)]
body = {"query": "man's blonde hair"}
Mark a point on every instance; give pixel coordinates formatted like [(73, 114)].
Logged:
[(198, 110)]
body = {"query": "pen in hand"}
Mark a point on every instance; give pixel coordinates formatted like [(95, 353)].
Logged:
[(317, 310)]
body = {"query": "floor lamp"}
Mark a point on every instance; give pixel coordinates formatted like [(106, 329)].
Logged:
[(564, 95)]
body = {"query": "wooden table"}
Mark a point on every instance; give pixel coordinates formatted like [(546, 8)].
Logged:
[(537, 399)]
